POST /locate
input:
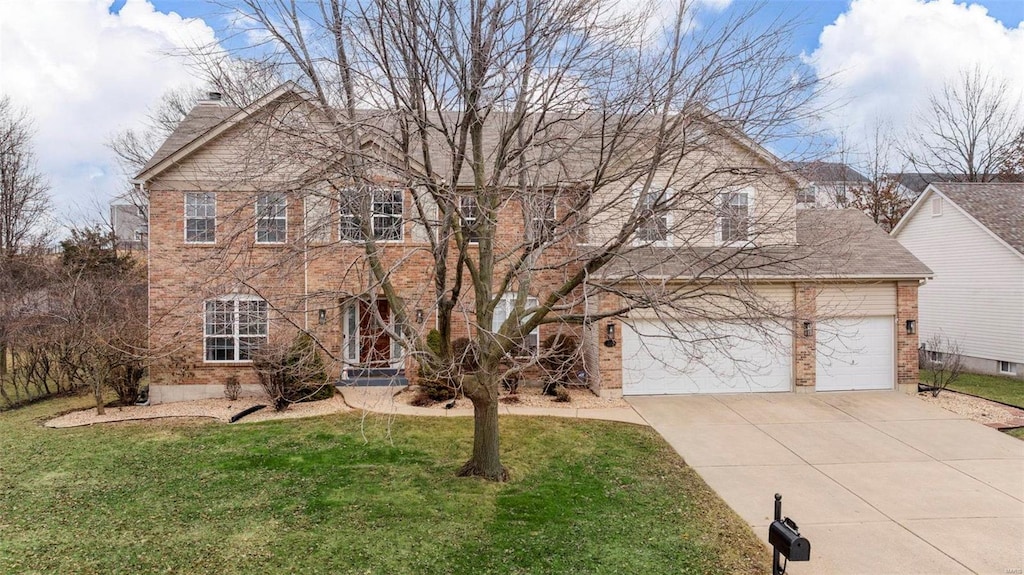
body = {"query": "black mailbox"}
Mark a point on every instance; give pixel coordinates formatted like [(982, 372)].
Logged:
[(784, 536)]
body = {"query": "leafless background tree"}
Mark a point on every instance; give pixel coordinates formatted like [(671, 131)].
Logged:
[(883, 198), (969, 129), (607, 135), (24, 194)]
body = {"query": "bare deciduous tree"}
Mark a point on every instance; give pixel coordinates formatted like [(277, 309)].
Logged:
[(24, 197), (942, 361), (883, 198), (969, 129), (606, 141)]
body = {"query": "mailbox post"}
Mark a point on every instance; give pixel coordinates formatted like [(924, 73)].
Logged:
[(785, 539)]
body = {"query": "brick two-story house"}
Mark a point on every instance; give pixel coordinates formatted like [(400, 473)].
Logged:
[(237, 260)]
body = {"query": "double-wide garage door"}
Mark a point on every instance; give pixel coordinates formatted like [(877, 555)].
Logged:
[(854, 353), (704, 358)]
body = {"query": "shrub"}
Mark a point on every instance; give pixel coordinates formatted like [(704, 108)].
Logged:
[(510, 381), (434, 341), (292, 374), (231, 388), (559, 361), (562, 394), (943, 362), (126, 381)]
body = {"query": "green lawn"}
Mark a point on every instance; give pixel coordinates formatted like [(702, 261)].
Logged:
[(1004, 389), (310, 496)]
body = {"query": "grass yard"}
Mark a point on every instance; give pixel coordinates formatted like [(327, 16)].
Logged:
[(311, 496), (1004, 389)]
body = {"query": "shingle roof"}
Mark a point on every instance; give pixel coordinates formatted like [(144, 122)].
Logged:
[(200, 120), (829, 172), (831, 244), (998, 207), (917, 182)]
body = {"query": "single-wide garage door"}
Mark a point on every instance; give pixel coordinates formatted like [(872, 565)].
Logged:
[(704, 358), (855, 353)]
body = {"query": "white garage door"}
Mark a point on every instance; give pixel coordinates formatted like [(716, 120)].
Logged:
[(855, 353), (704, 358)]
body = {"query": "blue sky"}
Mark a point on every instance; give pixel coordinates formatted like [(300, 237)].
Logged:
[(87, 69)]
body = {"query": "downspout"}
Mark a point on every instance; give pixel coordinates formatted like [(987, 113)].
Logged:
[(141, 186)]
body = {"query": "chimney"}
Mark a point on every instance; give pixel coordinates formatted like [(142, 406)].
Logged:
[(212, 99)]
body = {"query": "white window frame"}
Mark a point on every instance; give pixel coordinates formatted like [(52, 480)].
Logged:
[(212, 205), (666, 195), (375, 215), (235, 334), (347, 215), (720, 217), (505, 306), (1011, 368), (317, 225), (936, 206), (270, 213), (802, 195), (467, 205)]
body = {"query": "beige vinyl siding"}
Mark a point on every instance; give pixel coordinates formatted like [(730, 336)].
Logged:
[(977, 295), (728, 303), (856, 300), (694, 221)]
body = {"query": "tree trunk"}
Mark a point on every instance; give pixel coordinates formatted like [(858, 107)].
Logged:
[(486, 460), (97, 393)]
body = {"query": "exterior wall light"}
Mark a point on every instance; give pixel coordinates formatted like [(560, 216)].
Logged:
[(911, 326), (609, 333), (808, 329), (419, 315), (321, 317)]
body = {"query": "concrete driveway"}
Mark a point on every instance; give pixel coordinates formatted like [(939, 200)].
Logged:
[(879, 482)]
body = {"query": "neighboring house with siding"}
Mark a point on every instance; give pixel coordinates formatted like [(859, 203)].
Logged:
[(128, 223), (832, 184), (236, 257), (972, 237)]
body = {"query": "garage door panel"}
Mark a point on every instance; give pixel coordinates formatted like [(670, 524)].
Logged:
[(704, 358), (854, 354)]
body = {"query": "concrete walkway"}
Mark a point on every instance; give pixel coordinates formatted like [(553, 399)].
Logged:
[(879, 482), (380, 399)]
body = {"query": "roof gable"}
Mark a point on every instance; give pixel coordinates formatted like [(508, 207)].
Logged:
[(996, 208)]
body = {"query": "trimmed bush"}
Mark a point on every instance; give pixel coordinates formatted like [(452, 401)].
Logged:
[(292, 374)]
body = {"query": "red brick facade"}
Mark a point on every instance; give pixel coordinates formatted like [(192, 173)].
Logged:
[(906, 343), (804, 349)]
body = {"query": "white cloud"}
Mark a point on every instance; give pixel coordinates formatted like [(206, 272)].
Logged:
[(85, 74), (885, 56)]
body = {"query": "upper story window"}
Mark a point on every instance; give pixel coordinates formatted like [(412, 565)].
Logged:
[(936, 206), (503, 310), (808, 195), (543, 214), (734, 216), (654, 228), (271, 218), (200, 217), (318, 218), (470, 216), (386, 214), (234, 327)]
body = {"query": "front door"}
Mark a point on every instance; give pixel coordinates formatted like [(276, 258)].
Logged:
[(374, 344)]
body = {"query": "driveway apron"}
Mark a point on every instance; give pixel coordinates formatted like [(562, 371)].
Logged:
[(879, 482)]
